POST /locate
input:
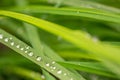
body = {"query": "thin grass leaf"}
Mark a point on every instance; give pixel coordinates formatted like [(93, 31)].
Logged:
[(91, 67), (13, 43)]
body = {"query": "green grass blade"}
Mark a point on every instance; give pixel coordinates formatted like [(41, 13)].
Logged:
[(83, 12), (12, 42), (91, 67), (79, 38)]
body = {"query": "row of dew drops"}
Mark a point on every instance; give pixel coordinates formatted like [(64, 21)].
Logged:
[(30, 53)]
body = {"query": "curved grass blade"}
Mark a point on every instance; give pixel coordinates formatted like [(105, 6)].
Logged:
[(79, 38), (91, 67), (81, 41), (83, 12), (46, 63)]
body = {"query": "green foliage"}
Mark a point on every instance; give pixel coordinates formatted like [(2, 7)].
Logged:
[(67, 39)]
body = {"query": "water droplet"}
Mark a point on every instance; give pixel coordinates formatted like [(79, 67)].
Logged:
[(22, 49), (26, 51), (18, 46), (54, 67), (6, 39), (65, 74), (53, 62), (30, 54), (47, 64), (1, 36), (38, 58), (59, 72), (42, 76), (27, 47), (10, 38), (12, 43)]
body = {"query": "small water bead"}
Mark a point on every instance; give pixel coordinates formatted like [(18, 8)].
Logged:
[(54, 67), (18, 46), (6, 39), (26, 51), (42, 76), (27, 47), (11, 38), (38, 58), (30, 54), (21, 49), (59, 71), (65, 74), (53, 62), (1, 36), (12, 43), (47, 64)]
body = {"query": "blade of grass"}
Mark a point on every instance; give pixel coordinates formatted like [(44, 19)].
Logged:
[(45, 61), (84, 12), (61, 31), (91, 67), (82, 40)]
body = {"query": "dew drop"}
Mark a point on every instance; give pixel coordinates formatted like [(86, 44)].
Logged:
[(42, 76), (12, 43), (54, 67), (6, 39), (27, 47), (47, 64), (18, 46), (53, 62), (65, 74), (10, 38), (1, 36), (59, 72), (30, 54), (22, 49), (26, 51), (71, 79), (38, 58)]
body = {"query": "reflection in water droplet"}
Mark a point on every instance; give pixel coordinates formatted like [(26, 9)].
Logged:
[(12, 43), (42, 76), (6, 39), (27, 47), (38, 58), (30, 54), (22, 49), (1, 36), (18, 46), (26, 51), (53, 62), (47, 64), (59, 72), (65, 74), (71, 79)]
